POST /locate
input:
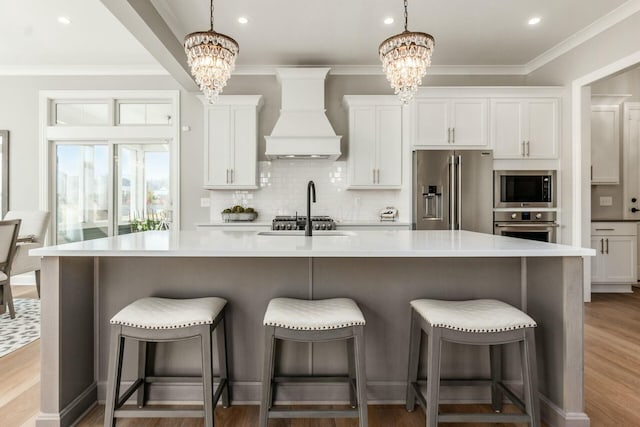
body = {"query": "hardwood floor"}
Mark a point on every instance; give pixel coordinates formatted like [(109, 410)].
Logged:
[(612, 380)]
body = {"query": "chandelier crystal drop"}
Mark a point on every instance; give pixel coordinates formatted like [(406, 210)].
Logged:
[(212, 58), (405, 59)]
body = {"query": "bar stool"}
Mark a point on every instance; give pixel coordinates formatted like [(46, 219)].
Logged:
[(474, 322), (315, 321), (163, 320)]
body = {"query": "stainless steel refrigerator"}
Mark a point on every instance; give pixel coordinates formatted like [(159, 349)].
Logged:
[(453, 190)]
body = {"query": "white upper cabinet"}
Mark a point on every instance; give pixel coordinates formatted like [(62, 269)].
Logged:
[(605, 144), (230, 151), (525, 128), (375, 142), (450, 122)]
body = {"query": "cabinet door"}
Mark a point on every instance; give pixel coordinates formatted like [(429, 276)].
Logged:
[(389, 145), (597, 262), (218, 149), (243, 142), (432, 122), (362, 146), (620, 263), (605, 145), (542, 129), (469, 122), (507, 125)]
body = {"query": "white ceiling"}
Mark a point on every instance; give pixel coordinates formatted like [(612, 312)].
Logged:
[(32, 36), (296, 32), (340, 32)]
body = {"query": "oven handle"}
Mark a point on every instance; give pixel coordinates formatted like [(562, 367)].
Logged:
[(505, 225)]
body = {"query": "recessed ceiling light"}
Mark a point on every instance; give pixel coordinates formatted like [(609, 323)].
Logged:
[(535, 20), (388, 21), (64, 20), (243, 20)]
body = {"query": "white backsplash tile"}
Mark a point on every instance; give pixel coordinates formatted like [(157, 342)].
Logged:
[(283, 191)]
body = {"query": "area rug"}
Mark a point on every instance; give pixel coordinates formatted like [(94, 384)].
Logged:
[(24, 329)]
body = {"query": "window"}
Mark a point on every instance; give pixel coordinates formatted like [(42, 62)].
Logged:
[(112, 160), (130, 113), (81, 114)]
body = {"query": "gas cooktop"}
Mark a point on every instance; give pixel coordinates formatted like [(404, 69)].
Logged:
[(299, 223)]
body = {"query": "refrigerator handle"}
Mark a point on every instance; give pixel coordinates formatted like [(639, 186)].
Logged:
[(452, 195), (459, 191)]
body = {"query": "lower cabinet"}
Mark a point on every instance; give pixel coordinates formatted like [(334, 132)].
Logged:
[(614, 268)]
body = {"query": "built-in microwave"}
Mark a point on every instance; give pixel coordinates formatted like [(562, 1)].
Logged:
[(520, 189)]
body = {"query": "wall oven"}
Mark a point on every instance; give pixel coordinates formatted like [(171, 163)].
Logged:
[(539, 226), (524, 189)]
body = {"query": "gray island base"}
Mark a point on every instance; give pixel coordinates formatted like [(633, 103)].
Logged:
[(85, 284)]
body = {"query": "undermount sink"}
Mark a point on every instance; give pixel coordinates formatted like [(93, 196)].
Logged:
[(301, 233)]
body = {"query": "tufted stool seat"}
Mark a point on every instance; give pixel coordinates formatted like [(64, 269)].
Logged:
[(475, 322), (315, 321), (480, 316), (162, 320), (316, 315)]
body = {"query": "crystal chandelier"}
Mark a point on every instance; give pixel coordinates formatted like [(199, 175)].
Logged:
[(212, 58), (405, 59)]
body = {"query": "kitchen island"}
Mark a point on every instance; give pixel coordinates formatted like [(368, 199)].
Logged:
[(85, 283)]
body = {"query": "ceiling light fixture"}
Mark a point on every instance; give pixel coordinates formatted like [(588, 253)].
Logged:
[(243, 20), (535, 20), (388, 20), (212, 58), (64, 20), (405, 59)]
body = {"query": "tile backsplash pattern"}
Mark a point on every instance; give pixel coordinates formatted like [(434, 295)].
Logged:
[(283, 191)]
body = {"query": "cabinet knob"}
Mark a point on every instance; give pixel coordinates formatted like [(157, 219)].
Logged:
[(633, 200), (634, 210)]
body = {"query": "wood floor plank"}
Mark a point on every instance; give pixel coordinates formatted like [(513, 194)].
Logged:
[(612, 383)]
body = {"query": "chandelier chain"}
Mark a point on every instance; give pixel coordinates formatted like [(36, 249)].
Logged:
[(406, 14), (212, 15)]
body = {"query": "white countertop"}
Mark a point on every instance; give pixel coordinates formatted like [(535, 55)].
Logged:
[(388, 243)]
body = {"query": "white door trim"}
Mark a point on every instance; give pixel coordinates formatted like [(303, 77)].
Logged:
[(580, 152)]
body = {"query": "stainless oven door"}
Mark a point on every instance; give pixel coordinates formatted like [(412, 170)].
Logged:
[(541, 232)]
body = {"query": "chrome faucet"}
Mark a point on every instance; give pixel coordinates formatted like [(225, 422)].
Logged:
[(311, 189)]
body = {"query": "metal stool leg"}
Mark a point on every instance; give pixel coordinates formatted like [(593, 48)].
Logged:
[(433, 377), (207, 375), (351, 358), (221, 335), (415, 336), (114, 376), (361, 375), (495, 355), (267, 375), (530, 376), (142, 372)]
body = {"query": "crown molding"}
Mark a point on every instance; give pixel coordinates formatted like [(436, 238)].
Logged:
[(82, 70), (376, 70), (600, 25)]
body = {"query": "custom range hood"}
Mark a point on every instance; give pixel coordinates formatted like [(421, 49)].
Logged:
[(302, 130)]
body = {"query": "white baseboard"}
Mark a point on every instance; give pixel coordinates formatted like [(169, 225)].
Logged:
[(24, 279), (611, 289)]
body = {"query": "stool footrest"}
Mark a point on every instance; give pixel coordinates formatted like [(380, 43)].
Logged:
[(158, 413), (482, 418), (313, 413), (157, 379), (311, 379)]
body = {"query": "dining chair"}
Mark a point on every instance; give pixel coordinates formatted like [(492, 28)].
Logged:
[(33, 230), (8, 236)]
